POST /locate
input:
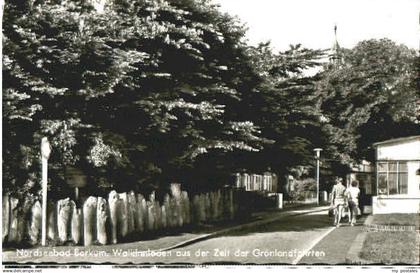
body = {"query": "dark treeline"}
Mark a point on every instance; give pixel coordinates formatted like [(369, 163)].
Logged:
[(142, 93)]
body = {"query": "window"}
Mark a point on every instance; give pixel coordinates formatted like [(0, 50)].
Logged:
[(392, 177)]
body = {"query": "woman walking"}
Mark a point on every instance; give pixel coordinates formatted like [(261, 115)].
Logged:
[(338, 200)]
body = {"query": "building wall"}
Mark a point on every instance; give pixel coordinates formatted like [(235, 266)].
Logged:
[(409, 150), (413, 178), (395, 204), (406, 150)]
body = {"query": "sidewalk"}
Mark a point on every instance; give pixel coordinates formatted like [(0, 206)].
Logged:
[(259, 218), (336, 244), (171, 241)]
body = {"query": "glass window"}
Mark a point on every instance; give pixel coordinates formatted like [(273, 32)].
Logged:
[(392, 183), (382, 184), (392, 177), (402, 183), (403, 167), (382, 167), (392, 167)]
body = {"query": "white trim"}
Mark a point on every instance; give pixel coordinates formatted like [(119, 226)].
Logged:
[(401, 139)]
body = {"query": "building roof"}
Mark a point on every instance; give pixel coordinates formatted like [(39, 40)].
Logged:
[(397, 140)]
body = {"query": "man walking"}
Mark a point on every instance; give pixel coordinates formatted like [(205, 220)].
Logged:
[(353, 193)]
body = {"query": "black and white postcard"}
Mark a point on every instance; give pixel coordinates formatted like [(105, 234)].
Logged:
[(210, 134)]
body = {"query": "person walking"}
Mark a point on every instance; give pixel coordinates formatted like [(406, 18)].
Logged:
[(353, 194), (338, 200)]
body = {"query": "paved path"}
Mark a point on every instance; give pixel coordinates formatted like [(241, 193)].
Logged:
[(281, 241), (335, 245)]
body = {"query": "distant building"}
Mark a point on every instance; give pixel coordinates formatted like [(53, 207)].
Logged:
[(266, 182), (397, 176)]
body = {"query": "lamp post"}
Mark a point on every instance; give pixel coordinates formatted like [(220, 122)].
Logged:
[(317, 155), (45, 154)]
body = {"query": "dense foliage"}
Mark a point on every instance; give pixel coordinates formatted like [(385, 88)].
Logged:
[(371, 96), (131, 89), (141, 93)]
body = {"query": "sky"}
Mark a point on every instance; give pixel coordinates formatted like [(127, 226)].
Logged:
[(311, 22)]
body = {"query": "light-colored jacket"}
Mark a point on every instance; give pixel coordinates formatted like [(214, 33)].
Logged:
[(353, 194)]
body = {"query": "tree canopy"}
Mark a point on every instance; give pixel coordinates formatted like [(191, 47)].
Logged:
[(372, 96), (132, 90), (141, 93)]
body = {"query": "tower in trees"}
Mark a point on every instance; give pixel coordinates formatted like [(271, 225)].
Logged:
[(335, 56)]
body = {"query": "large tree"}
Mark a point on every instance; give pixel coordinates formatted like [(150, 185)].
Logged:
[(286, 105), (371, 95), (132, 91)]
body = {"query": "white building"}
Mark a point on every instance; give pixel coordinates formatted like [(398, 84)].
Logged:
[(397, 176)]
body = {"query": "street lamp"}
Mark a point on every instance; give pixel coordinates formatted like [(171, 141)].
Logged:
[(317, 155), (45, 154)]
